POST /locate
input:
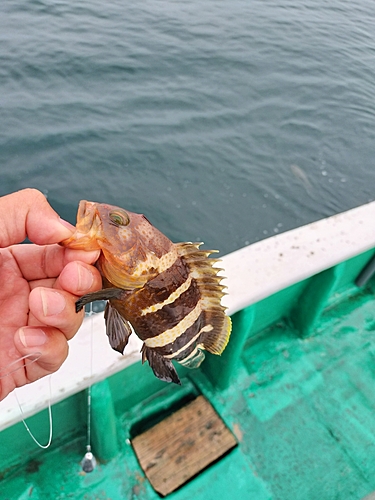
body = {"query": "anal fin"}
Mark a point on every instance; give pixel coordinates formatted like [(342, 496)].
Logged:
[(163, 368), (194, 359)]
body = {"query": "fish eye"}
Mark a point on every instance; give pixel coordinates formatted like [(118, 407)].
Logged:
[(119, 218)]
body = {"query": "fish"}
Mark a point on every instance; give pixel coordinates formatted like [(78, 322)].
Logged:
[(302, 176), (168, 293)]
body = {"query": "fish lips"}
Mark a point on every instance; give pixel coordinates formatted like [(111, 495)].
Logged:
[(86, 235)]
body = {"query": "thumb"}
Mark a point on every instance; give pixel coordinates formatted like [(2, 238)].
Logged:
[(27, 213)]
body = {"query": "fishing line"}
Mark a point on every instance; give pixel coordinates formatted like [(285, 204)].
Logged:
[(28, 359), (88, 462), (7, 370), (44, 446)]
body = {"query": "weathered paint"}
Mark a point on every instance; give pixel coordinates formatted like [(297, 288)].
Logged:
[(295, 386), (103, 417), (302, 409), (258, 274)]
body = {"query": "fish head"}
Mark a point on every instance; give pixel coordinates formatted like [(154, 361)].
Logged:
[(88, 228), (131, 247)]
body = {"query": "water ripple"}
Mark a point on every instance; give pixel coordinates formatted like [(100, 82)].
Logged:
[(223, 121)]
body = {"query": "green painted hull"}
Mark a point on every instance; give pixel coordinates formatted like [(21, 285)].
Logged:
[(295, 386)]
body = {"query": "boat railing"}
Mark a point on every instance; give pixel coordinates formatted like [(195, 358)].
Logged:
[(261, 279)]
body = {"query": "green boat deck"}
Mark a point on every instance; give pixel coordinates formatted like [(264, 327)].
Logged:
[(296, 386)]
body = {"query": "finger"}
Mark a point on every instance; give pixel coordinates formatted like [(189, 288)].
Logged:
[(47, 345), (47, 261), (55, 308), (88, 256), (79, 278), (27, 213), (45, 283)]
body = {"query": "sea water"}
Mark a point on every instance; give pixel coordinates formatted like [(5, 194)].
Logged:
[(223, 121)]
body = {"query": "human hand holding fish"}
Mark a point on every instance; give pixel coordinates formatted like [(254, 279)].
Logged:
[(40, 283)]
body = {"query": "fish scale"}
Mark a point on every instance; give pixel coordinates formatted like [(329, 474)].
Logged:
[(168, 292)]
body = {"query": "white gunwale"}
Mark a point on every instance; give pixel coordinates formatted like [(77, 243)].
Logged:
[(252, 274)]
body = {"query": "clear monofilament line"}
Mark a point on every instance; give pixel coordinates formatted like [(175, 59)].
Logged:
[(12, 367), (91, 314), (15, 365), (88, 462), (88, 443), (44, 446)]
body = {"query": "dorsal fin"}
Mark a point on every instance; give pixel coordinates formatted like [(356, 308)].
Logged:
[(217, 327)]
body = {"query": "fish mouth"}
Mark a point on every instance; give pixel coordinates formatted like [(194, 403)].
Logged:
[(85, 236)]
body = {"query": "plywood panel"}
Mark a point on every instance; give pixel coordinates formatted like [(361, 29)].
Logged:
[(182, 445)]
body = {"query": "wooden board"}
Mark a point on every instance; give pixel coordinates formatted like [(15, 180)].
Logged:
[(182, 445)]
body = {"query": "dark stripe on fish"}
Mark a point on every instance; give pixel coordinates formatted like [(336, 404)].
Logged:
[(184, 338), (155, 323), (161, 287)]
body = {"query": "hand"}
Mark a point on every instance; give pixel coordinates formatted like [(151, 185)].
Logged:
[(39, 284)]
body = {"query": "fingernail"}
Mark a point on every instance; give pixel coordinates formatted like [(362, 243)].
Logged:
[(67, 224), (85, 278), (65, 229), (52, 302), (32, 337), (94, 254)]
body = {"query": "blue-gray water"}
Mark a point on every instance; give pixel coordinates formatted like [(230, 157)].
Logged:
[(224, 121)]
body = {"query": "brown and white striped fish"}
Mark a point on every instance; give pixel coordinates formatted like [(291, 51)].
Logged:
[(168, 292)]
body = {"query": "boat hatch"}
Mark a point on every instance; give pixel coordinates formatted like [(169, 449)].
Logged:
[(182, 445)]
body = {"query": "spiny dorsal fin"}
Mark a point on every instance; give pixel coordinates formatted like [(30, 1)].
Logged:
[(217, 329)]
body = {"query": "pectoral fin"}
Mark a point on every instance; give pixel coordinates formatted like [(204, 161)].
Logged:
[(162, 367), (104, 294), (118, 329)]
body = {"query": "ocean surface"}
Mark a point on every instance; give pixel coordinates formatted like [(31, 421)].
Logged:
[(223, 121)]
